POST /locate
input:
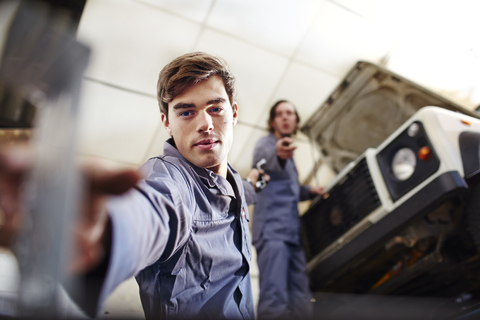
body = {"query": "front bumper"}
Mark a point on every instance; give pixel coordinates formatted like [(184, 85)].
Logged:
[(438, 191)]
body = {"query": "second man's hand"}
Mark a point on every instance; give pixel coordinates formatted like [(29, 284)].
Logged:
[(317, 191), (284, 148)]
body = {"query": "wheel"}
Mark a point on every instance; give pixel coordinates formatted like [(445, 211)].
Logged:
[(472, 210)]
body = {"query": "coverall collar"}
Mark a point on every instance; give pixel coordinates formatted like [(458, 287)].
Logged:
[(210, 179)]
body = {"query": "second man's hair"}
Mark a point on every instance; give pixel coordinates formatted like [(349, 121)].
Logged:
[(273, 113)]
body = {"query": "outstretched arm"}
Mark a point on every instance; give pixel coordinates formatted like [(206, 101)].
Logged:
[(274, 154), (308, 193), (90, 231), (91, 234)]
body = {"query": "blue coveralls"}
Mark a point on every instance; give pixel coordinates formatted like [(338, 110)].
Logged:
[(284, 288), (183, 232)]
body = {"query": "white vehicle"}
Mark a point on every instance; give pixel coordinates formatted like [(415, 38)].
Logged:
[(401, 217)]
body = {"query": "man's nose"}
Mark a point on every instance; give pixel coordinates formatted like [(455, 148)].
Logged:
[(205, 122)]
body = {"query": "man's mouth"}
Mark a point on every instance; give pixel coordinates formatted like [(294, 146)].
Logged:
[(206, 144)]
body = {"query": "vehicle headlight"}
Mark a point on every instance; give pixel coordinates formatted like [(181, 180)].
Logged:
[(407, 160), (403, 163)]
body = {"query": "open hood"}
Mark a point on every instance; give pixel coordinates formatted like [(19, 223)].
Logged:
[(367, 106)]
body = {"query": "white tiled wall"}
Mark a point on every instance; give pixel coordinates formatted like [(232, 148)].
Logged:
[(295, 50)]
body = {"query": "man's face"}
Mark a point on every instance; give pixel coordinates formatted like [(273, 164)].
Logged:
[(201, 121), (285, 122)]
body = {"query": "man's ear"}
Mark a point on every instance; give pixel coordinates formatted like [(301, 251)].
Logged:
[(235, 113), (166, 124), (272, 124)]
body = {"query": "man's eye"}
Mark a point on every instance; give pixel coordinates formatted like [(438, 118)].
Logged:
[(185, 113), (216, 109)]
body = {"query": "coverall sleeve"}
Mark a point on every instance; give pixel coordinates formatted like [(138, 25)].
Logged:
[(250, 194), (265, 149), (305, 193), (148, 223)]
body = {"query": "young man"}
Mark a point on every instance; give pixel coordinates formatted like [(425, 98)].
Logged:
[(284, 289), (183, 229)]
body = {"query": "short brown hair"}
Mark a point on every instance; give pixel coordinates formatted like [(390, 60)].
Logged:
[(272, 114), (188, 69)]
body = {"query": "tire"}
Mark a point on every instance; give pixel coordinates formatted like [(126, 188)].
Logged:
[(472, 211)]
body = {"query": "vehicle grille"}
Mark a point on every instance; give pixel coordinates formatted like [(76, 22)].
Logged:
[(349, 202)]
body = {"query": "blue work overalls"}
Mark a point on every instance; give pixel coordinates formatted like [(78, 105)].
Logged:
[(183, 232), (284, 288)]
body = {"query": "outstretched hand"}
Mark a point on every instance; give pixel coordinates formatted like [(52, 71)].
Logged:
[(284, 148), (90, 230), (317, 191)]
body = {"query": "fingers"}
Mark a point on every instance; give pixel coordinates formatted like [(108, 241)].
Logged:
[(14, 163), (87, 256), (91, 231), (284, 149), (89, 244), (101, 183), (108, 182), (265, 176), (253, 175), (16, 159), (285, 152), (286, 141), (317, 190), (9, 227)]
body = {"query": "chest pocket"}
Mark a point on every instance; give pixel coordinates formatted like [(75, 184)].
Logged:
[(212, 207), (211, 213)]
